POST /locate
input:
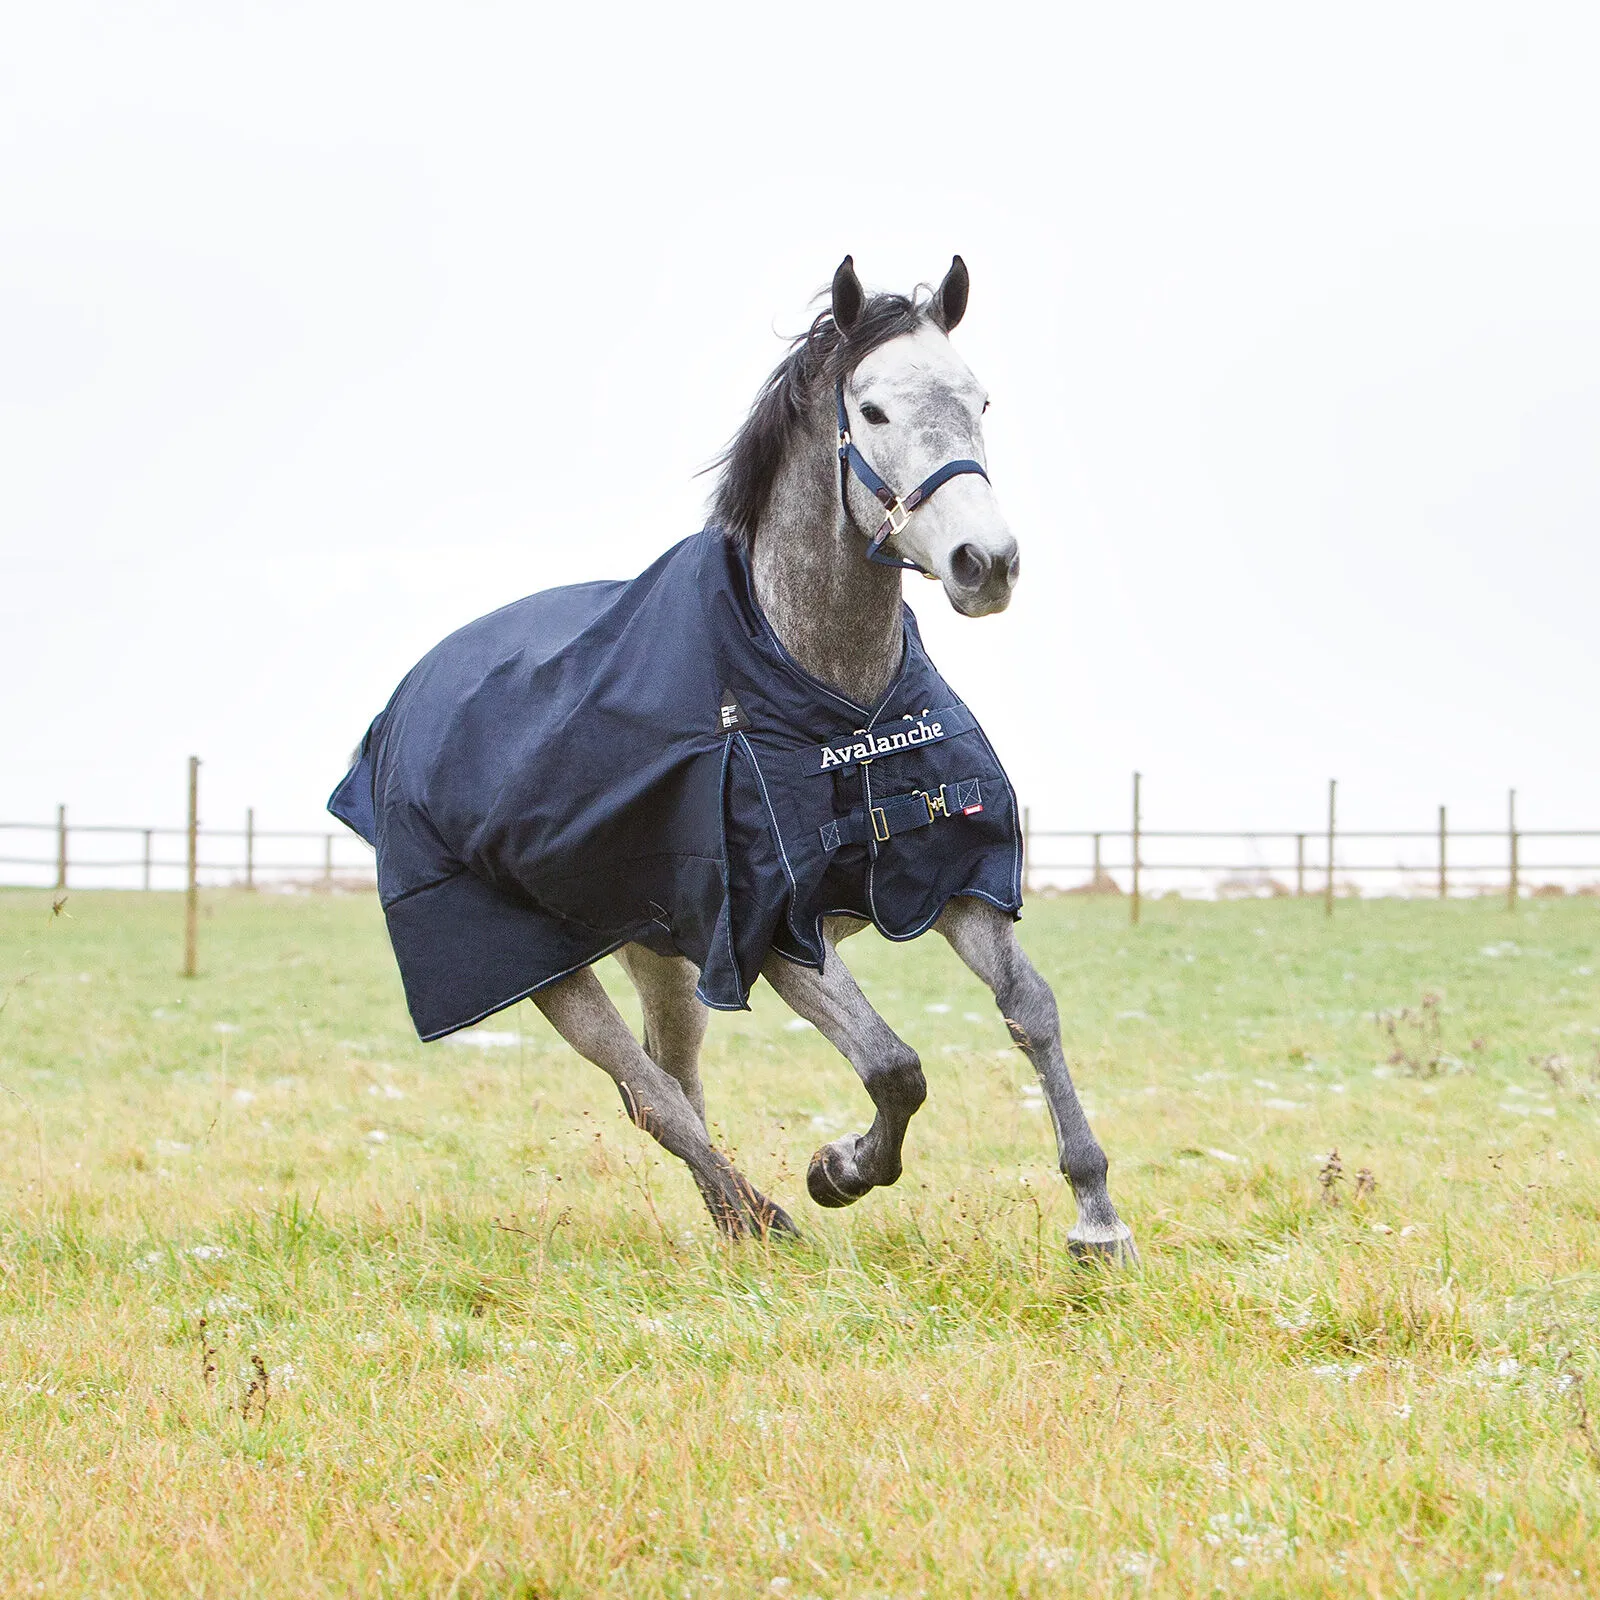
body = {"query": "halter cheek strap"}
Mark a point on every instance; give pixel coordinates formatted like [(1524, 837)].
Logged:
[(898, 508)]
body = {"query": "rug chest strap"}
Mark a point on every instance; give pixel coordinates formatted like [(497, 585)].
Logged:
[(903, 813)]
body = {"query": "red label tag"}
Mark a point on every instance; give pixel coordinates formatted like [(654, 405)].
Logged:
[(968, 811)]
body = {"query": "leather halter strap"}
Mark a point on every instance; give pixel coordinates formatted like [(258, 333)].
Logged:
[(897, 508)]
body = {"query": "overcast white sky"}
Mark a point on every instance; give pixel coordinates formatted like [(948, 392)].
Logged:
[(324, 329)]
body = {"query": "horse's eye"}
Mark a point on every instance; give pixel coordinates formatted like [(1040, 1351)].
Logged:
[(873, 415)]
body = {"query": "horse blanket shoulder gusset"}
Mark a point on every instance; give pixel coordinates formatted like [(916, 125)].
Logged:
[(643, 761)]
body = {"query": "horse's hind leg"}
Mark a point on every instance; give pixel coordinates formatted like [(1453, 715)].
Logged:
[(674, 1020), (986, 940), (582, 1013), (843, 1171)]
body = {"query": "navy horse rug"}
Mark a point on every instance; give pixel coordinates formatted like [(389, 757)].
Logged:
[(643, 762)]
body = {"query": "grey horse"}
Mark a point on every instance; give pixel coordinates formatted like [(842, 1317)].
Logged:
[(916, 403)]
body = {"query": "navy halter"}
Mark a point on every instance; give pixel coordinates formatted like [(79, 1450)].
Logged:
[(898, 509)]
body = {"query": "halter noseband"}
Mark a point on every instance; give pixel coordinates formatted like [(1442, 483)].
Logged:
[(898, 508)]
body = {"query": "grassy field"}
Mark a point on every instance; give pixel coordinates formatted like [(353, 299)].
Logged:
[(293, 1305)]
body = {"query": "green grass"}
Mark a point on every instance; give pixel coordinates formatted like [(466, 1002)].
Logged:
[(507, 1355)]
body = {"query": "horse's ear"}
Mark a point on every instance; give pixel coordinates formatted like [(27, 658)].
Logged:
[(848, 296), (951, 300)]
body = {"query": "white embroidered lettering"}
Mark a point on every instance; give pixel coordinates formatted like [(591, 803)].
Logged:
[(830, 758), (938, 730)]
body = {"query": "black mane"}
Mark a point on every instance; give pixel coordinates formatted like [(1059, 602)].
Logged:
[(821, 355)]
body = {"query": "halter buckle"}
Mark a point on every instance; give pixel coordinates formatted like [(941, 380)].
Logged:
[(896, 517)]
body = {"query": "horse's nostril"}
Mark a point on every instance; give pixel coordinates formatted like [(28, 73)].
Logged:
[(969, 566)]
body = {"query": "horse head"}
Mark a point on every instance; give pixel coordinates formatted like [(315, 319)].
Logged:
[(913, 411)]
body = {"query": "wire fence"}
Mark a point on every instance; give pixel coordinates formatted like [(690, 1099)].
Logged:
[(1133, 861), (64, 854), (1404, 861), (1222, 863)]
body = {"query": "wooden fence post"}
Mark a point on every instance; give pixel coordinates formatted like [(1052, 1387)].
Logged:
[(1444, 879), (1511, 825), (61, 847), (250, 847), (147, 833), (1333, 788), (1027, 850), (1135, 907), (327, 860), (191, 907), (1299, 866)]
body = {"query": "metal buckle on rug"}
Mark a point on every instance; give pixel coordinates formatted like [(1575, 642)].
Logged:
[(880, 825), (934, 803)]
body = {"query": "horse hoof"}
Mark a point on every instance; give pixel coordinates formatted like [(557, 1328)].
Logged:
[(1115, 1251), (828, 1185), (776, 1223)]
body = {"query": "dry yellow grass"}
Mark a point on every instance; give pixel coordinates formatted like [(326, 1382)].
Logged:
[(506, 1356)]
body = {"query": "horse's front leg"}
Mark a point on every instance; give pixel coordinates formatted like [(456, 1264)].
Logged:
[(582, 1013), (986, 940), (843, 1171)]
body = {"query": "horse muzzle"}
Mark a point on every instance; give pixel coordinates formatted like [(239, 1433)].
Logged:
[(979, 579)]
